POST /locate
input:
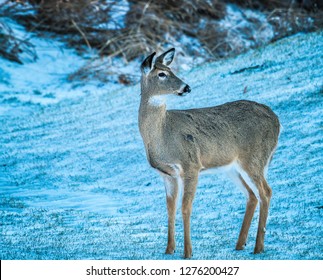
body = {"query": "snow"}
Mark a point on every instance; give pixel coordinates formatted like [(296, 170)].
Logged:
[(246, 28), (117, 14), (44, 80), (75, 182)]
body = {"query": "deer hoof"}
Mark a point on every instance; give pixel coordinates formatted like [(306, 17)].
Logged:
[(170, 251), (258, 250), (240, 247), (188, 255)]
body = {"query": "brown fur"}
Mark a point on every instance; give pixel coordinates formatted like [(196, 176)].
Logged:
[(181, 143)]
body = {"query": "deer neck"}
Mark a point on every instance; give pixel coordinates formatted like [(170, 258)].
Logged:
[(152, 117)]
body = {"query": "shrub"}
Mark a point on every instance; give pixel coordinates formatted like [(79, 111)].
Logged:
[(14, 48), (133, 28)]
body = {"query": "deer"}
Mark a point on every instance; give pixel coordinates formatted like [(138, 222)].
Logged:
[(239, 137)]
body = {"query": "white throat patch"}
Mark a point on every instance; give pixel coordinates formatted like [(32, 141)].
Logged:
[(157, 101)]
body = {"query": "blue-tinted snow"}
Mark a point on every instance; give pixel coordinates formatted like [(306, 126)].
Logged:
[(44, 80), (75, 183), (246, 28)]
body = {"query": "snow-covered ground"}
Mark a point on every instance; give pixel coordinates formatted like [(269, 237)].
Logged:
[(75, 183)]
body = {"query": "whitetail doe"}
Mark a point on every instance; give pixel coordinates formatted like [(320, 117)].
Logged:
[(241, 136)]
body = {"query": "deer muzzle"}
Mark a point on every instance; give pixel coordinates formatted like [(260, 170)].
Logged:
[(186, 89)]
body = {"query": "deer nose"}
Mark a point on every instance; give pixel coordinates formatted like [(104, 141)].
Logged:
[(187, 88)]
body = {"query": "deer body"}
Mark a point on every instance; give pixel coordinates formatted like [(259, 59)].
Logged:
[(181, 143)]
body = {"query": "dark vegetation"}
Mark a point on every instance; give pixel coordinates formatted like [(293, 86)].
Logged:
[(131, 29), (13, 48)]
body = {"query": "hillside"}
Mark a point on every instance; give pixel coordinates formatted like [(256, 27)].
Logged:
[(75, 183)]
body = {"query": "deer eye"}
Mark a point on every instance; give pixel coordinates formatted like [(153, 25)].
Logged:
[(162, 75)]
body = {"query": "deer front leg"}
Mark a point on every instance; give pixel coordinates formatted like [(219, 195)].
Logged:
[(190, 182), (171, 187)]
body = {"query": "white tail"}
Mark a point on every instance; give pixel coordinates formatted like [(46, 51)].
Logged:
[(240, 135)]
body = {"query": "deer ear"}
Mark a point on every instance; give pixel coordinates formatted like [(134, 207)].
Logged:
[(167, 57), (146, 65)]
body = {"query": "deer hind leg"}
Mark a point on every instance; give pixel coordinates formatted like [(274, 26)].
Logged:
[(265, 196), (250, 210), (190, 182), (254, 177), (171, 187), (260, 187)]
